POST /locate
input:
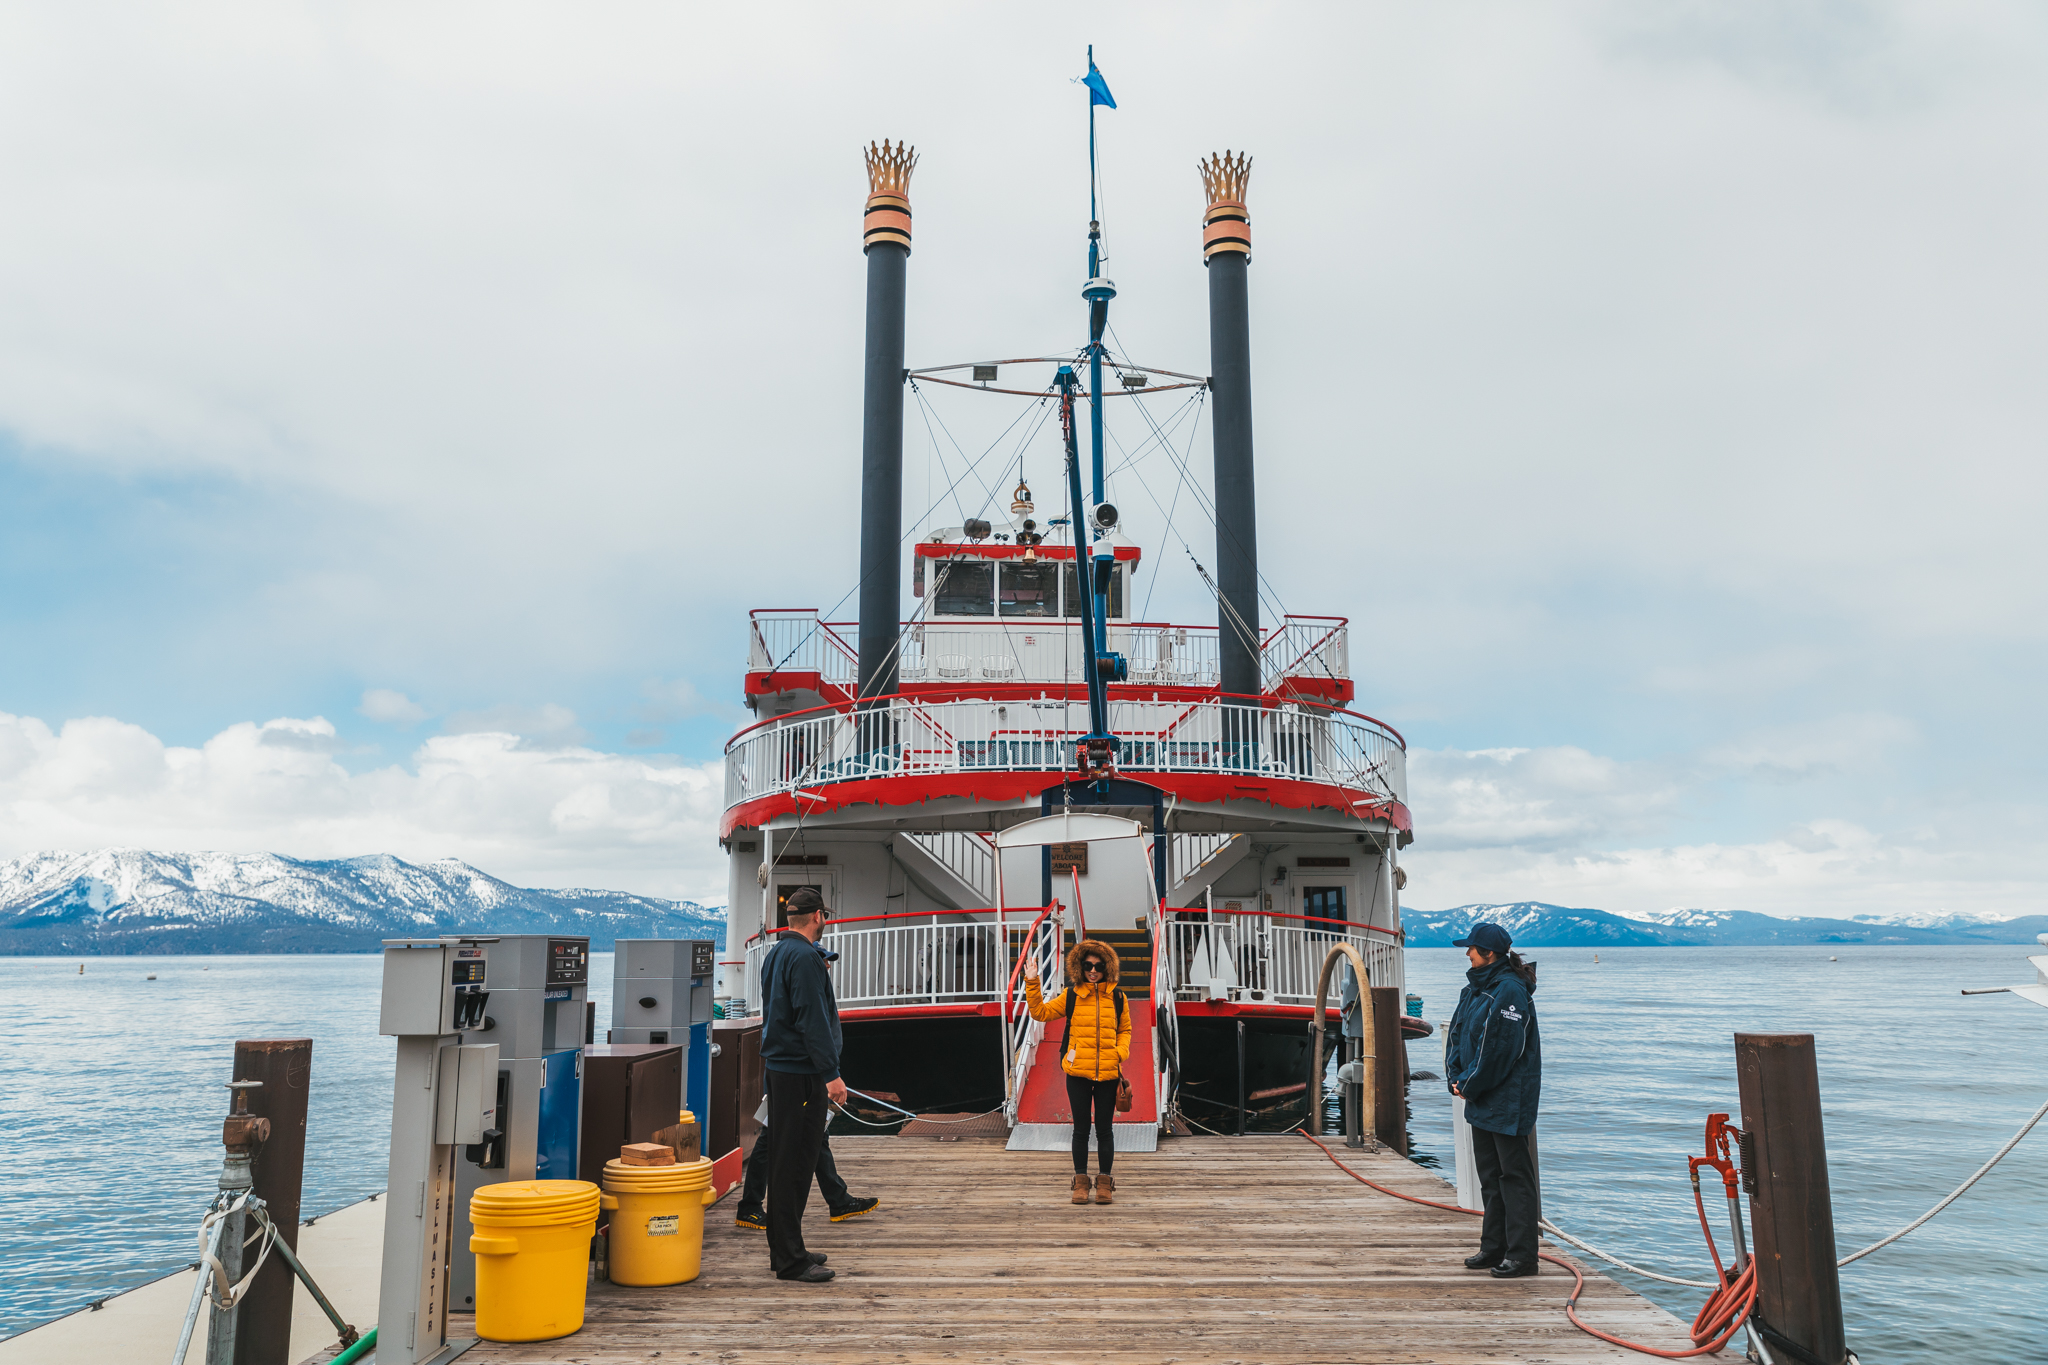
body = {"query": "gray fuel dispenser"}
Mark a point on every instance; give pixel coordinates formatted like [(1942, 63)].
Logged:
[(539, 986), (444, 1104), (535, 1016), (661, 993)]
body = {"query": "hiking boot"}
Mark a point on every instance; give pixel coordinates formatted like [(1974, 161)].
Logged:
[(1080, 1189), (1105, 1189), (746, 1217), (855, 1209), (1481, 1262)]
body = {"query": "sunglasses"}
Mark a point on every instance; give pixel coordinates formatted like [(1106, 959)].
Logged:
[(1091, 965)]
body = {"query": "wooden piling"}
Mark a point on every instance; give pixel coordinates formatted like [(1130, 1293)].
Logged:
[(1799, 1292), (1390, 1071), (263, 1334)]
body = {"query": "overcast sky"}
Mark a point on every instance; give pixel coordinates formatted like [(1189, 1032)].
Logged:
[(401, 406)]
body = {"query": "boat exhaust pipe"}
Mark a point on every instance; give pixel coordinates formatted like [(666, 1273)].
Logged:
[(886, 241), (1227, 252)]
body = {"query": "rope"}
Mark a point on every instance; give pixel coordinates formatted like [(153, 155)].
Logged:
[(1564, 1236), (970, 1118), (1954, 1195), (224, 1295)]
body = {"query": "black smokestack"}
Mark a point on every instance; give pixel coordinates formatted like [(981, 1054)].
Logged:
[(886, 240), (1226, 250)]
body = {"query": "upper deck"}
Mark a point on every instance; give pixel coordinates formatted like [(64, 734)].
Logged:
[(991, 700)]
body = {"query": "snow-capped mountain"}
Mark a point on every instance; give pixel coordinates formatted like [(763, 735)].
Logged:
[(1539, 925), (137, 901)]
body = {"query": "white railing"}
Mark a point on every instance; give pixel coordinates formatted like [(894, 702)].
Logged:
[(970, 857), (1042, 650), (798, 642), (1291, 740), (1261, 958), (952, 960), (1041, 951)]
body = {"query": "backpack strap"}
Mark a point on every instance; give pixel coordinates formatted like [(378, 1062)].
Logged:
[(1070, 1005), (1121, 1007)]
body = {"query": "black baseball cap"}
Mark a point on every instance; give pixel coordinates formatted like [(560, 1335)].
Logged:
[(1487, 937)]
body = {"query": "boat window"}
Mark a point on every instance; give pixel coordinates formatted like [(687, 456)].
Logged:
[(966, 587), (1029, 589), (1070, 599), (1324, 903)]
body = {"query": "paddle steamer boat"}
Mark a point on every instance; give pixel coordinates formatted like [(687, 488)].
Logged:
[(1022, 762)]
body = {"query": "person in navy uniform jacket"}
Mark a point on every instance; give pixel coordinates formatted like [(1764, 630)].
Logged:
[(1493, 1060)]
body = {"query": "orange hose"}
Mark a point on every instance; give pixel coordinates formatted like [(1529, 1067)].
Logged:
[(1726, 1309)]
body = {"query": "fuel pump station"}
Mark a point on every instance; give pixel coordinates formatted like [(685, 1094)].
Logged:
[(444, 1103), (661, 993), (539, 986)]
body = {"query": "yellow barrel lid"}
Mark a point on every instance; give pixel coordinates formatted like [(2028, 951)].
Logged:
[(619, 1178), (544, 1200), (686, 1117)]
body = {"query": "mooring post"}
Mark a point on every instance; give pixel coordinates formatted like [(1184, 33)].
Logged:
[(1241, 1101), (284, 1066), (1389, 1070), (1799, 1292)]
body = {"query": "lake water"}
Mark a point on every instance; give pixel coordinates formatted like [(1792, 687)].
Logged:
[(110, 1106)]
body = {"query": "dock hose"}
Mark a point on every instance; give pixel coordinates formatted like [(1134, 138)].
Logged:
[(1723, 1314)]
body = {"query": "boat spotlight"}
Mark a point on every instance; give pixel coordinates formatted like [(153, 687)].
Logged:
[(975, 529), (984, 374), (1105, 516)]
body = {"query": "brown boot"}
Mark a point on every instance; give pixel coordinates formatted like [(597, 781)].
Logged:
[(1080, 1189), (1105, 1189)]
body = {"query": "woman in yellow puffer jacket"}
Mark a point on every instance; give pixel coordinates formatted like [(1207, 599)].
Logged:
[(1098, 1043)]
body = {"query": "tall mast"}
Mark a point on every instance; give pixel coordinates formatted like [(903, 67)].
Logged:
[(1092, 572)]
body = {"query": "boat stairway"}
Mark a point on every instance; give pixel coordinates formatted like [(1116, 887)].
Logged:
[(1134, 952)]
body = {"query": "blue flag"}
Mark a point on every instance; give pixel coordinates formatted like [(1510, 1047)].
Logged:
[(1098, 88)]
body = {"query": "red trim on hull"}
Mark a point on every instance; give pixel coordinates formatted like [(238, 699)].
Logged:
[(968, 1008), (1006, 787), (1250, 1009)]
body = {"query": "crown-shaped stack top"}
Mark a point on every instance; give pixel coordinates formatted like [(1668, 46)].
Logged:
[(888, 214), (1226, 225)]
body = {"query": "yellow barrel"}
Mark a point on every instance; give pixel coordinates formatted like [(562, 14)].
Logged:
[(657, 1220), (532, 1248)]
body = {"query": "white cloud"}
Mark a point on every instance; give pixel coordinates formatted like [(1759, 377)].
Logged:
[(1550, 798), (539, 816), (392, 708)]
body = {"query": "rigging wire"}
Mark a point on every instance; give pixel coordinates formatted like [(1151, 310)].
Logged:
[(905, 538)]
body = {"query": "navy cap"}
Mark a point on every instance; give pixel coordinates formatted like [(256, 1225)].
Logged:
[(1487, 937)]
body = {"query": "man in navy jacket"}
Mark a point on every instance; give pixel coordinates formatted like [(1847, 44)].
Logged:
[(800, 1054), (1493, 1060)]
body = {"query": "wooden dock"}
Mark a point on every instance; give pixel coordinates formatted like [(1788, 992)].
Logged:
[(1218, 1250)]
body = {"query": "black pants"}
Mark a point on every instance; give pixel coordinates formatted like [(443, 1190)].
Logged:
[(1082, 1095), (755, 1192), (1507, 1191), (796, 1130)]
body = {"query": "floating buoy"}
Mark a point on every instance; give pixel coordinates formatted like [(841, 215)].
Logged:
[(1834, 959), (150, 977), (81, 969), (1596, 959)]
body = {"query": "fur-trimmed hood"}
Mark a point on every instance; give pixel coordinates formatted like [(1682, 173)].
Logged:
[(1114, 965)]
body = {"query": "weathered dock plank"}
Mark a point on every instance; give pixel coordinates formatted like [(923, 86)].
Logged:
[(1217, 1251)]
